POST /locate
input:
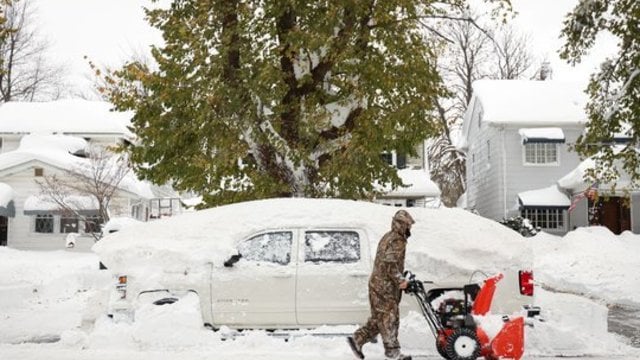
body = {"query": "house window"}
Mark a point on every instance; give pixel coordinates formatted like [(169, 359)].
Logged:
[(44, 224), (545, 218), (68, 224), (92, 224), (541, 154), (395, 159), (39, 172)]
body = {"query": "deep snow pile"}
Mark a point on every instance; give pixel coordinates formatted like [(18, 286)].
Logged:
[(49, 296), (590, 261)]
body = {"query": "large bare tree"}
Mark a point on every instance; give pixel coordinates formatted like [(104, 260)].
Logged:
[(513, 50), (89, 185), (472, 51), (25, 73)]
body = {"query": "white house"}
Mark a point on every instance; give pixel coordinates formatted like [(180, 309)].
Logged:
[(38, 139), (417, 187), (517, 136)]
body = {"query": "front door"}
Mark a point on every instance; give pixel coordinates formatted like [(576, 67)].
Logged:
[(333, 273), (4, 230), (258, 290), (612, 212)]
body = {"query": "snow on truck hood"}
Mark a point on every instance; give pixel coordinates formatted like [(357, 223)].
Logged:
[(454, 237)]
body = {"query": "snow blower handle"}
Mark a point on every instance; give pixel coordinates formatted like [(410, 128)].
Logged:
[(414, 285)]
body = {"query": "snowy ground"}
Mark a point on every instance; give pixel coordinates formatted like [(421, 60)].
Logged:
[(53, 303)]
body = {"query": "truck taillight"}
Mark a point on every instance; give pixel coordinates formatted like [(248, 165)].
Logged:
[(526, 282), (121, 286)]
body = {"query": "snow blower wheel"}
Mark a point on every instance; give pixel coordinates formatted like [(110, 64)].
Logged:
[(463, 344), (440, 347)]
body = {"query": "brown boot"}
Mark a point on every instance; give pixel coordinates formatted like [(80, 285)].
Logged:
[(357, 350)]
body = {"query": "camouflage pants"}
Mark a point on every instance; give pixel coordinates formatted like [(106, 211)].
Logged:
[(384, 320)]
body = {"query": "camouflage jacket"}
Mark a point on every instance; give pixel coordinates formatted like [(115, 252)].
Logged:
[(388, 267)]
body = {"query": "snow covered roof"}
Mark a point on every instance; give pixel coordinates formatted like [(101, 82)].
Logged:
[(70, 116), (546, 197), (57, 151), (529, 102), (210, 235), (549, 134), (85, 205), (418, 184), (575, 181)]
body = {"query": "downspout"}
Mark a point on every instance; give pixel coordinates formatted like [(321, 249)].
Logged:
[(504, 173)]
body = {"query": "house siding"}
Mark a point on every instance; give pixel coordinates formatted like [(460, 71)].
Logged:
[(484, 168), (9, 143), (579, 217)]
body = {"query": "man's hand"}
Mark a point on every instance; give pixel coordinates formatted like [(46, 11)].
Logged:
[(403, 284)]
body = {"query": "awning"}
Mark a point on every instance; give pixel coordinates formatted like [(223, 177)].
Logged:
[(550, 197), (7, 207), (541, 135), (83, 205)]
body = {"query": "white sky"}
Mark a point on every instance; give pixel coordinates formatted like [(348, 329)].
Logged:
[(109, 31)]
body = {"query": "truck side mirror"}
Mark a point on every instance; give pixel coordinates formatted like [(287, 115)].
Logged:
[(232, 260)]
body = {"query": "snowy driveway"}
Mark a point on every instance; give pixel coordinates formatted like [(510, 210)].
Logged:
[(38, 352)]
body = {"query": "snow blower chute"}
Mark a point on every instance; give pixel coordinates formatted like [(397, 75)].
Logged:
[(453, 323)]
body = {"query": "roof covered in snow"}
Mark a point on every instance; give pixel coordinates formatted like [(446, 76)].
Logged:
[(550, 196), (418, 184), (528, 102), (57, 151), (548, 134), (575, 182), (69, 116)]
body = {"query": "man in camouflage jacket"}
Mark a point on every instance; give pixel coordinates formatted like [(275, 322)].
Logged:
[(385, 290)]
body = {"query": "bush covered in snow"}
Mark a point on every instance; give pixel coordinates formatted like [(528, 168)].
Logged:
[(521, 225)]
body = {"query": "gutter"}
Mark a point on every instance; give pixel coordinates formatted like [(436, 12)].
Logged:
[(504, 173)]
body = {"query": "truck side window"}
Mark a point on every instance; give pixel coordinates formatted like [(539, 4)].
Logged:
[(272, 247), (331, 246)]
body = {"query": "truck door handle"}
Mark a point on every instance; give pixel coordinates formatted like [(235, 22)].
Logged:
[(282, 275), (358, 274)]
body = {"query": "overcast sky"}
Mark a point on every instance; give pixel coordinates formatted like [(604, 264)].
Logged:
[(110, 31)]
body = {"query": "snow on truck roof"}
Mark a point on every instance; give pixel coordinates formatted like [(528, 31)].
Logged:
[(455, 236)]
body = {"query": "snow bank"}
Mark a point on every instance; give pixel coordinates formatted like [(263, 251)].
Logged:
[(590, 261)]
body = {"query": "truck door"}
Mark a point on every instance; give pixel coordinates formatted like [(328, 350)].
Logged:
[(259, 290), (333, 273)]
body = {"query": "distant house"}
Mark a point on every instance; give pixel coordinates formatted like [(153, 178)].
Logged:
[(38, 139), (418, 189), (517, 137)]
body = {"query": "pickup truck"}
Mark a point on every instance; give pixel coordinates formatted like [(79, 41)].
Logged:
[(303, 263)]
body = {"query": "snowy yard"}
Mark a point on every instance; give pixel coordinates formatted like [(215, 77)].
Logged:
[(54, 303)]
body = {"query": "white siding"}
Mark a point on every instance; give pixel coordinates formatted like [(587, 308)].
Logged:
[(10, 142), (484, 167)]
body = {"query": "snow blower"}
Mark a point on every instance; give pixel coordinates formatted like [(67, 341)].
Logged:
[(453, 321)]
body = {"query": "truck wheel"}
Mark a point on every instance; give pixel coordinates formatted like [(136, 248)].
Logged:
[(463, 344)]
